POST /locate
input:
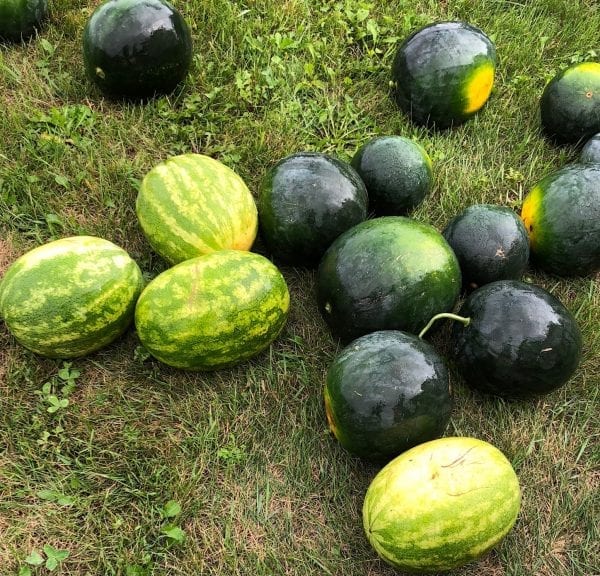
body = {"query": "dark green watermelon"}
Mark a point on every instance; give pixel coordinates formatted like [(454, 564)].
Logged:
[(305, 202), (385, 393), (19, 19), (136, 48), (520, 340)]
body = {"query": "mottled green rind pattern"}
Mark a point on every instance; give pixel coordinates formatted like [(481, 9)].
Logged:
[(490, 242), (570, 103), (136, 48), (192, 204), (385, 393), (441, 505), (590, 153), (305, 202), (433, 67), (387, 273), (397, 173), (20, 18), (70, 297), (521, 341), (566, 225), (213, 311)]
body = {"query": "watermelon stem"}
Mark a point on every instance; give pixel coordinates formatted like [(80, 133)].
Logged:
[(447, 315)]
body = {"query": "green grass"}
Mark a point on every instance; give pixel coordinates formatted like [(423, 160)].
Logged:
[(262, 486)]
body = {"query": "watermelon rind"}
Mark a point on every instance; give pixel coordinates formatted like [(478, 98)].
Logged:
[(192, 204), (70, 297), (213, 311), (19, 19), (441, 504)]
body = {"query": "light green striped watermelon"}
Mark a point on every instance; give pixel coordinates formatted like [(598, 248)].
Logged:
[(441, 504), (70, 297), (192, 204), (213, 311)]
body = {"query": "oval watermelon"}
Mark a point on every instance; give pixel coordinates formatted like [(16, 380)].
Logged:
[(136, 48), (386, 392), (70, 297), (191, 205), (388, 273), (20, 18), (213, 311), (444, 73), (441, 504)]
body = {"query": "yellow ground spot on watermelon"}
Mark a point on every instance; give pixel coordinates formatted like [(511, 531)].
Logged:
[(329, 414), (530, 212), (479, 87), (584, 68)]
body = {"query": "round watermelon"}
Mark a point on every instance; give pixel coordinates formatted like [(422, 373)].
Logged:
[(444, 73), (397, 173), (136, 48), (590, 153), (387, 273), (20, 18), (213, 311), (441, 505), (305, 202), (192, 204), (386, 392), (70, 297), (570, 103), (561, 214), (490, 242)]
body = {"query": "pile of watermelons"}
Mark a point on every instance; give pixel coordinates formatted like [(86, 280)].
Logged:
[(383, 279)]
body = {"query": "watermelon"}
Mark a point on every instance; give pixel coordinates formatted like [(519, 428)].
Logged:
[(19, 19), (561, 214), (520, 340), (397, 173), (490, 242), (443, 73), (570, 103), (441, 505), (191, 204), (590, 153), (386, 392), (213, 311), (387, 273), (136, 48), (305, 202), (70, 297)]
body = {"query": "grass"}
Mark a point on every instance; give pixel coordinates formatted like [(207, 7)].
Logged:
[(149, 470)]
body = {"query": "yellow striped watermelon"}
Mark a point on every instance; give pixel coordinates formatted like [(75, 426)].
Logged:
[(191, 204), (70, 297), (213, 311), (441, 504)]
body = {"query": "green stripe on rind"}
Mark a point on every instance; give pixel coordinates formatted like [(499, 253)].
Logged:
[(213, 311), (441, 505), (70, 297), (191, 205)]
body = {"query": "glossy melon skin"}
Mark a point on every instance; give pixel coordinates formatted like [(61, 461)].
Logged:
[(590, 153), (441, 505), (570, 103), (521, 340), (397, 173), (70, 297), (305, 202), (385, 393), (192, 204), (388, 273), (444, 73), (20, 18), (213, 311), (136, 48), (490, 242), (561, 214)]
